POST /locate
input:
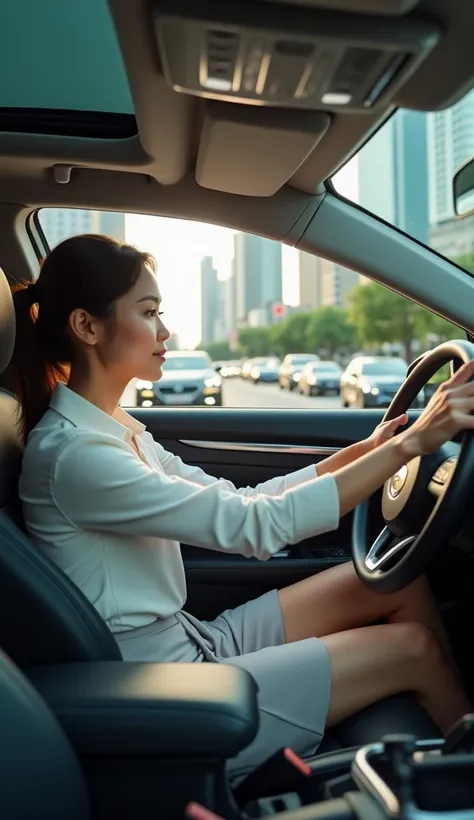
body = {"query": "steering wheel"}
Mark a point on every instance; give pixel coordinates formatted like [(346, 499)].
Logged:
[(424, 503)]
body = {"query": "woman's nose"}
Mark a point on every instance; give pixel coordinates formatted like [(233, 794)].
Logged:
[(163, 333)]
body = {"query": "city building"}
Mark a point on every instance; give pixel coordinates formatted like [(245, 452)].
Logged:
[(61, 223), (393, 173), (453, 238), (309, 281), (258, 274), (322, 282), (450, 143), (337, 284), (229, 302), (210, 300)]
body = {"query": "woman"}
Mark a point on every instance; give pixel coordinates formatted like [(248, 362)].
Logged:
[(110, 506)]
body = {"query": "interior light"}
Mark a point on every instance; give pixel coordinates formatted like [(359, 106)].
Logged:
[(336, 98), (217, 84)]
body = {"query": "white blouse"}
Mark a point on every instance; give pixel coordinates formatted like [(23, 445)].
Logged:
[(112, 521)]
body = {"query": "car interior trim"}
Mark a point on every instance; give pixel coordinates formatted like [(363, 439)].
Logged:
[(319, 452)]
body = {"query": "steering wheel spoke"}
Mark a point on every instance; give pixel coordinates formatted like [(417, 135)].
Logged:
[(384, 549)]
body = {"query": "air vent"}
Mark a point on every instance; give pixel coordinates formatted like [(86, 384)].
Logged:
[(221, 52)]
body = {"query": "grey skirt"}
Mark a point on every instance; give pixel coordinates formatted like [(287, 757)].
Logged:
[(294, 679)]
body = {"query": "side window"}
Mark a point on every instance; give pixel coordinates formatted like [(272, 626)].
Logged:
[(247, 315)]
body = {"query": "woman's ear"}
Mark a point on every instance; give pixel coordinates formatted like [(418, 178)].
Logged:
[(83, 327)]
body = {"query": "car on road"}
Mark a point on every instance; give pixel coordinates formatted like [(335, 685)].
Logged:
[(373, 381), (265, 370), (231, 369), (320, 379), (291, 367), (188, 379), (247, 367)]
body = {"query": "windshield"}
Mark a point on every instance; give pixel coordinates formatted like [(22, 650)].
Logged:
[(389, 367), (187, 363), (298, 360), (326, 367), (416, 155)]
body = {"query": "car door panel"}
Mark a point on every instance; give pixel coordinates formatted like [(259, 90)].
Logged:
[(248, 446)]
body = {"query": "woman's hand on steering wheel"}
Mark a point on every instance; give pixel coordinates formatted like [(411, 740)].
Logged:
[(385, 431), (449, 411), (427, 496)]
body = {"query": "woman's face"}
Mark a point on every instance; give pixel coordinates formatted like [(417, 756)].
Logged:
[(137, 346)]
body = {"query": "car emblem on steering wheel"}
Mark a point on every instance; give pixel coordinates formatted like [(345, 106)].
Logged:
[(397, 482)]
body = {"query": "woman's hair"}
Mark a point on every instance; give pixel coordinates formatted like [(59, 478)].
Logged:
[(89, 272)]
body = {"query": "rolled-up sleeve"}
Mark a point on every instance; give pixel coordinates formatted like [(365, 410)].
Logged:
[(99, 484), (174, 466)]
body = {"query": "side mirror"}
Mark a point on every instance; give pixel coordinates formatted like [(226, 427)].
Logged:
[(217, 367), (463, 189)]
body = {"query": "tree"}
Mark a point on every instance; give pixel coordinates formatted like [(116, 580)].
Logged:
[(290, 336), (380, 315), (466, 261), (329, 330), (217, 350), (255, 341)]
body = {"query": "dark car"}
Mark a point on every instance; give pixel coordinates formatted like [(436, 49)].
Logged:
[(320, 379), (290, 370), (373, 381), (188, 379), (265, 370)]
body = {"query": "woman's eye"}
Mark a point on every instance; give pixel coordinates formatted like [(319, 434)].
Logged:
[(151, 313)]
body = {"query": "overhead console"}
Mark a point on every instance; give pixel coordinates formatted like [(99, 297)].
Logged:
[(291, 56)]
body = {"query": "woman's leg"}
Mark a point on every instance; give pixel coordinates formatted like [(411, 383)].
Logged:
[(336, 600), (374, 662), (409, 653)]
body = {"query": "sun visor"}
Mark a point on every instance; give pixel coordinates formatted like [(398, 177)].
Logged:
[(254, 151)]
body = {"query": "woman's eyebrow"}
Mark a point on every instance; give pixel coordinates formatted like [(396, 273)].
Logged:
[(151, 298)]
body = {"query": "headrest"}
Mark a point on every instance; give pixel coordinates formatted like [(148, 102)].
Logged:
[(7, 323)]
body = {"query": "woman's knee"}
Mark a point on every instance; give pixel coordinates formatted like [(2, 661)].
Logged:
[(419, 648)]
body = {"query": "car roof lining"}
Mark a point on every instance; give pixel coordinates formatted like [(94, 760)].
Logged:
[(152, 171)]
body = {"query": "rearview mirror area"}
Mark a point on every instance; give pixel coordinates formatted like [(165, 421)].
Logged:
[(463, 189)]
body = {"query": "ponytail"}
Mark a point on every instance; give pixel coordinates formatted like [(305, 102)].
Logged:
[(34, 376), (89, 272)]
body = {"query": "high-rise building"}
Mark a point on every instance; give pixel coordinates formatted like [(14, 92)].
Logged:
[(393, 173), (210, 301), (258, 273), (450, 143), (310, 281), (338, 283), (323, 282), (61, 223), (229, 299)]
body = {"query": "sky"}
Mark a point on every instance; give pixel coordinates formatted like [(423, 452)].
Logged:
[(179, 247)]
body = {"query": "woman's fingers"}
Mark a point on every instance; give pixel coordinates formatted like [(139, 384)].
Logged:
[(463, 375)]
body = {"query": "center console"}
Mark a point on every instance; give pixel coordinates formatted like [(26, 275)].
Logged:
[(154, 739), (398, 778)]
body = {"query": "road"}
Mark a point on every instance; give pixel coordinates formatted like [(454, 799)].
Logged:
[(242, 393)]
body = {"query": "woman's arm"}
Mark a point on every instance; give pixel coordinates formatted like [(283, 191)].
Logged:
[(174, 466), (99, 484), (382, 433)]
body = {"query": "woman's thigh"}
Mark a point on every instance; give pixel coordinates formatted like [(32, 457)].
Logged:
[(248, 628), (294, 690), (336, 600)]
